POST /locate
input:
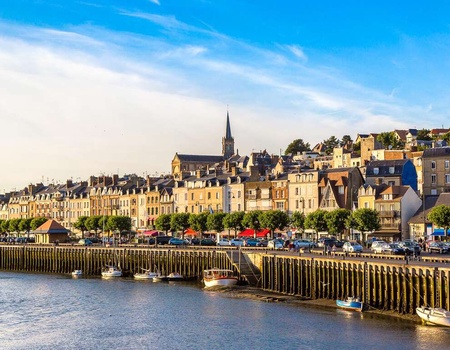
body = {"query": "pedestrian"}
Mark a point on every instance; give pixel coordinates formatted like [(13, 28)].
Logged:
[(328, 249), (334, 249)]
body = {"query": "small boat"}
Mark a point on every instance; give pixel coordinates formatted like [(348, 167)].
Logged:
[(146, 275), (434, 315), (219, 277), (175, 276), (77, 273), (351, 303), (111, 271)]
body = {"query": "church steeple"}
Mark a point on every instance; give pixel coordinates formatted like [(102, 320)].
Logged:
[(228, 140)]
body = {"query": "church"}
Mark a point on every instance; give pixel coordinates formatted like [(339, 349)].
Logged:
[(184, 164)]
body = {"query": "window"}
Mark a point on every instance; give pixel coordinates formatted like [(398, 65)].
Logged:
[(366, 204), (341, 189), (433, 165), (296, 191), (376, 171), (280, 205), (446, 164), (192, 196), (217, 195), (433, 179), (447, 178), (296, 204), (209, 195)]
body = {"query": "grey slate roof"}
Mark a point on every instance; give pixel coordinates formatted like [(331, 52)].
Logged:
[(384, 167), (200, 158), (436, 152)]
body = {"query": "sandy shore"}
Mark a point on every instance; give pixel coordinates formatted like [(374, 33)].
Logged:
[(265, 296)]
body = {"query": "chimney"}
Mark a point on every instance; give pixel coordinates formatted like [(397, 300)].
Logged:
[(234, 170), (254, 173), (115, 179), (69, 183)]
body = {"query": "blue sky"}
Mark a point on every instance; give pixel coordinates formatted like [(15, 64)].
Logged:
[(91, 87)]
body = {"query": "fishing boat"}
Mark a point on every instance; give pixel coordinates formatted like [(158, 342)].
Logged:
[(434, 315), (351, 303), (219, 277), (175, 276), (77, 273), (111, 271), (146, 275)]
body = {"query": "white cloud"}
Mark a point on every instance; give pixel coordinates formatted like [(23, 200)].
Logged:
[(298, 52)]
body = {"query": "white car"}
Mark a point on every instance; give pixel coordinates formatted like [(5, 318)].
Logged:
[(352, 247), (303, 243), (223, 241), (382, 248), (237, 242), (275, 244)]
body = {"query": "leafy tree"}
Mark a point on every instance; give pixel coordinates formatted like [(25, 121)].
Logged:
[(234, 221), (198, 222), (119, 223), (36, 222), (297, 146), (14, 225), (365, 220), (180, 222), (274, 219), (1, 225), (446, 137), (440, 216), (423, 135), (316, 221), (215, 222), (388, 139), (252, 219), (298, 220), (330, 144), (162, 223), (25, 225), (337, 220), (346, 139), (93, 223), (80, 224)]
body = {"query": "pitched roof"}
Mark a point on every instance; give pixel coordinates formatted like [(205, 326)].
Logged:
[(384, 167), (436, 152), (200, 158), (50, 226)]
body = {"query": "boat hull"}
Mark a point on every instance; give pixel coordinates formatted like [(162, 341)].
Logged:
[(435, 316), (145, 276), (220, 282), (353, 305)]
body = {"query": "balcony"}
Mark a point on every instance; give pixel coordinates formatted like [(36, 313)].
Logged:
[(390, 226), (389, 213)]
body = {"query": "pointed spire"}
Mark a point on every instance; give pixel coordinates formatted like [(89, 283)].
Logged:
[(228, 132)]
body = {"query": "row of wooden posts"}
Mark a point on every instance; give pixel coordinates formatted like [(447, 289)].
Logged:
[(382, 285)]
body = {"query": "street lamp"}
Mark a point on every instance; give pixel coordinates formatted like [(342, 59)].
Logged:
[(255, 228)]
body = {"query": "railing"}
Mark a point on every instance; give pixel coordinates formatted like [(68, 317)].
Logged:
[(389, 213)]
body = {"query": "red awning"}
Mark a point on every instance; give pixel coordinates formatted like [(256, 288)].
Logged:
[(251, 233), (150, 233), (190, 232)]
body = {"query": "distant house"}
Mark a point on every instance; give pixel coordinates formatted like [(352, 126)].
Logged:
[(401, 172), (50, 232)]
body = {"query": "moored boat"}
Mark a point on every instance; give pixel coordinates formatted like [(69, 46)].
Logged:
[(77, 273), (434, 315), (146, 275), (175, 276), (351, 303), (111, 271), (219, 277)]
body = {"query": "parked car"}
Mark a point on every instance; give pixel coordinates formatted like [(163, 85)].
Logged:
[(262, 243), (224, 242), (438, 247), (382, 248), (410, 247), (324, 241), (251, 242), (275, 244), (303, 243), (237, 242), (375, 245), (85, 242), (162, 240), (207, 242), (177, 241), (352, 247), (396, 249)]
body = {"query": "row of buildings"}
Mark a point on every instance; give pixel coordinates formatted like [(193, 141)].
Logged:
[(394, 182)]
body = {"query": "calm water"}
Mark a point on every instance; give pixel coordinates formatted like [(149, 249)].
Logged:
[(58, 312)]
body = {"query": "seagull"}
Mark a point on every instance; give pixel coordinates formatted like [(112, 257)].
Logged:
[(324, 284)]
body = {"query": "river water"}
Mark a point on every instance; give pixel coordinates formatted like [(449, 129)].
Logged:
[(39, 311)]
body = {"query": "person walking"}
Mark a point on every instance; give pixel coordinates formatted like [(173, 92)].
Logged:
[(333, 250)]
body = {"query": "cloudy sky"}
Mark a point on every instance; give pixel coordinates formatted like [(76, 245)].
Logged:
[(93, 87)]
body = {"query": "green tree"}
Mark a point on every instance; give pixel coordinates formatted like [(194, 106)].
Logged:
[(424, 135), (346, 139), (80, 224), (14, 225), (365, 220), (316, 221), (180, 222), (234, 221), (274, 219), (297, 146), (330, 144), (37, 222), (1, 225), (252, 219), (93, 223), (215, 222), (198, 222), (119, 223), (162, 223), (440, 217), (337, 221), (25, 225), (388, 140), (298, 220)]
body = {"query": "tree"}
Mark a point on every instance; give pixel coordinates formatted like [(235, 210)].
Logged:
[(25, 225), (180, 222), (215, 222), (119, 223), (330, 144), (14, 225), (93, 223), (337, 221), (297, 146), (440, 216), (234, 221), (424, 135), (162, 223), (252, 219), (1, 225), (298, 220), (274, 219), (37, 222), (365, 220), (346, 139), (388, 140), (80, 224), (198, 222), (316, 221)]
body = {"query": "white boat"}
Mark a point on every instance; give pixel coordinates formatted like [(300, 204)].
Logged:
[(146, 275), (219, 277), (111, 271), (77, 273), (175, 276), (434, 315)]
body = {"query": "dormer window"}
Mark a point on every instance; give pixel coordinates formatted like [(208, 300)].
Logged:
[(391, 170), (376, 171)]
